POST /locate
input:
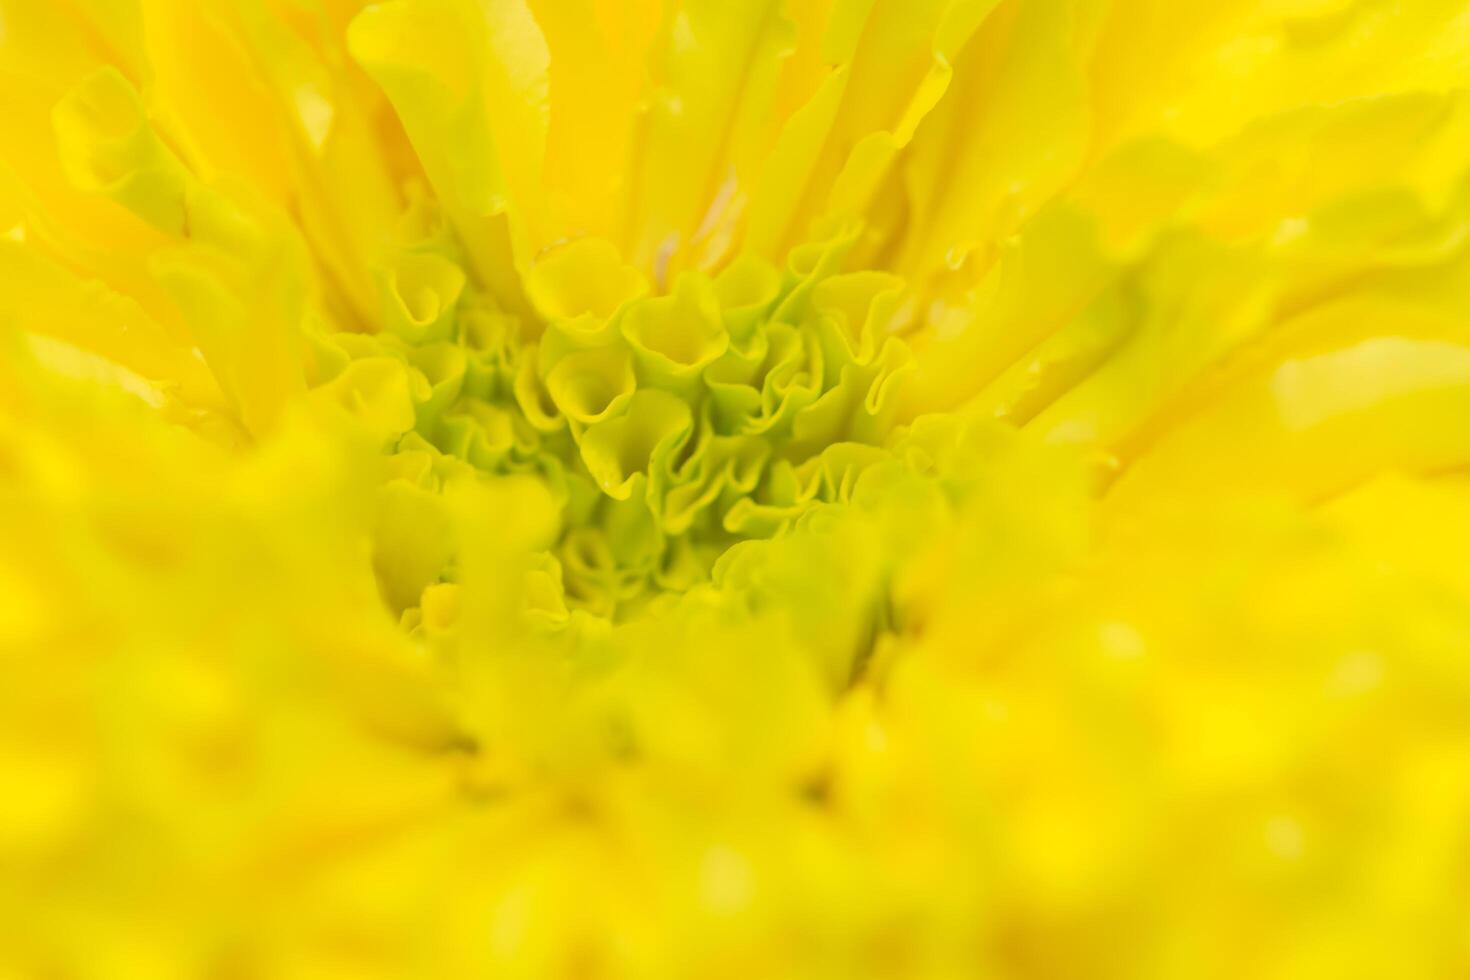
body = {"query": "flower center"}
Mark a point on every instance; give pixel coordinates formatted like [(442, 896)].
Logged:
[(667, 428)]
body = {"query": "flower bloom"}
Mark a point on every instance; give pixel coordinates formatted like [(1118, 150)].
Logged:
[(703, 488)]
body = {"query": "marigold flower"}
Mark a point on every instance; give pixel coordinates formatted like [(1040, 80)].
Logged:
[(703, 488)]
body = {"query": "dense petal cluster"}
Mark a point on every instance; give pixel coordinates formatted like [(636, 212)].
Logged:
[(751, 488), (666, 428)]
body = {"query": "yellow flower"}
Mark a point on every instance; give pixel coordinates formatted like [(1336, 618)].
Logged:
[(734, 488)]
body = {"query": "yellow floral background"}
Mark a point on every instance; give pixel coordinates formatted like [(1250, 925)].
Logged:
[(585, 489)]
